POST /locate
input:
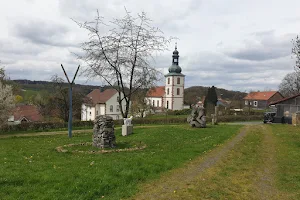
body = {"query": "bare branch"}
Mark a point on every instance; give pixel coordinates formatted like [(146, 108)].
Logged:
[(121, 55)]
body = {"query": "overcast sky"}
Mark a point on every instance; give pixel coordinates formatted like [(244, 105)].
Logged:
[(233, 44)]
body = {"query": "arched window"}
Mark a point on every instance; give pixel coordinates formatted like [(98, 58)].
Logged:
[(111, 108), (157, 103), (168, 80), (168, 91), (178, 91), (153, 103), (178, 80)]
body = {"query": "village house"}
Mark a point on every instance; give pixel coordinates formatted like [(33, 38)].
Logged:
[(25, 113), (101, 103), (261, 100), (171, 95)]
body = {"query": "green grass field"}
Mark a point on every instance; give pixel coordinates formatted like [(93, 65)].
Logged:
[(265, 164), (32, 169)]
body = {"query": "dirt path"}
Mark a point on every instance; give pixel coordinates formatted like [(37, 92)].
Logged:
[(181, 178), (242, 168), (265, 185), (42, 133)]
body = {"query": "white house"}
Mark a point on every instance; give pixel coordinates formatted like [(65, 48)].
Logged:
[(101, 103), (171, 95)]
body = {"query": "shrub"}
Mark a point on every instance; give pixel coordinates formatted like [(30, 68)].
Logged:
[(47, 126)]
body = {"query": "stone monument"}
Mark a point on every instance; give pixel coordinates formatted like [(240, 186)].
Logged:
[(104, 136), (197, 118), (127, 128)]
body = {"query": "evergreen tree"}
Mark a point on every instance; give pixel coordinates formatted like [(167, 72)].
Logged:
[(211, 96)]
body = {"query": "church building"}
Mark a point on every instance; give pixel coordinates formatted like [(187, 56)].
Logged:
[(171, 95)]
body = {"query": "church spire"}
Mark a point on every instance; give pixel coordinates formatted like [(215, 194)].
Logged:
[(175, 60)]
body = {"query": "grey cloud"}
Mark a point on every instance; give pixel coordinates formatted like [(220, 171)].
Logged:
[(42, 33), (17, 47), (266, 47)]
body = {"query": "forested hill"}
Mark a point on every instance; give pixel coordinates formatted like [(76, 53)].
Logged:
[(196, 93), (48, 86)]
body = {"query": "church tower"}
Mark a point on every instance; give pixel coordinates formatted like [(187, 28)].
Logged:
[(174, 89)]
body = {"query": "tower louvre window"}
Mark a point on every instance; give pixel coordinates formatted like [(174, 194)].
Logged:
[(178, 91), (178, 80), (168, 80), (168, 91)]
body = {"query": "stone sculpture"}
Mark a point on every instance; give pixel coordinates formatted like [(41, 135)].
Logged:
[(104, 136), (197, 117), (127, 121)]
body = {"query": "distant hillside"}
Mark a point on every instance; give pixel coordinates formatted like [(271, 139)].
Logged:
[(191, 95), (48, 86), (196, 93)]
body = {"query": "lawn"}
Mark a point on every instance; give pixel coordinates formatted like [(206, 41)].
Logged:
[(288, 158), (31, 168)]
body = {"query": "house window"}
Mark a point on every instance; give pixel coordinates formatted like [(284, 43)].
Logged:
[(168, 91), (157, 103), (255, 103), (111, 108), (178, 91), (97, 112), (246, 102), (153, 103), (118, 98), (118, 108), (90, 113), (168, 80), (167, 104), (178, 80)]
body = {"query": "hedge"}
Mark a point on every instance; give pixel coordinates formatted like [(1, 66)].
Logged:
[(48, 126)]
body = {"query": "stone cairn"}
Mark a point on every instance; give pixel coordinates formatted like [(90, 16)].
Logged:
[(197, 118), (104, 136)]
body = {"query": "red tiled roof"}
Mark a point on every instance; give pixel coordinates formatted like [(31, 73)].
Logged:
[(260, 95), (101, 97), (284, 99), (30, 112), (156, 92)]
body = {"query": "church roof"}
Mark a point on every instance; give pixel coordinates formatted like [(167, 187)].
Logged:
[(156, 92)]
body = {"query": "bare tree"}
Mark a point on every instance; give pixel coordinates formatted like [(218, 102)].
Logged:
[(139, 103), (6, 99), (290, 84), (296, 51), (122, 56)]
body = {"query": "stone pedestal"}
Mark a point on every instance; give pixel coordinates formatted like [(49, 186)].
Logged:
[(127, 130), (104, 136)]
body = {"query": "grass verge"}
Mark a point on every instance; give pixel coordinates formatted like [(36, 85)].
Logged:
[(287, 156)]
